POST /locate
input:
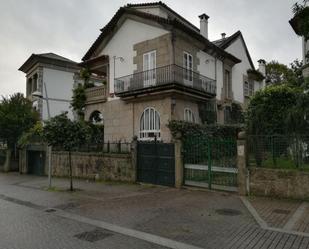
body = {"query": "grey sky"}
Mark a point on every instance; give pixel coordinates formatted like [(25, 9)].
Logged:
[(68, 28)]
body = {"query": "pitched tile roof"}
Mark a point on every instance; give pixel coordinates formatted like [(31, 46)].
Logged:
[(47, 58)]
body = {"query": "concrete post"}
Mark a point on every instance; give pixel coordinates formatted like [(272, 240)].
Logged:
[(6, 167), (178, 164), (241, 164), (134, 157)]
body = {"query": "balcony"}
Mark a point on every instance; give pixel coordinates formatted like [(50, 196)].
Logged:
[(167, 78), (96, 95)]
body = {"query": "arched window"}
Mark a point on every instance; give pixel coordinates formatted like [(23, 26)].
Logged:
[(96, 117), (150, 124), (188, 115)]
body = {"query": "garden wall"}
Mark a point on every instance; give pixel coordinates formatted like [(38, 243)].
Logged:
[(280, 183), (114, 167)]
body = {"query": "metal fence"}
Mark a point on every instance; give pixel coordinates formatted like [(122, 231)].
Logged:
[(278, 151), (170, 74), (210, 162), (109, 147)]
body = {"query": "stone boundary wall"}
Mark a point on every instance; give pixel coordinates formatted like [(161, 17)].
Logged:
[(280, 183), (113, 167)]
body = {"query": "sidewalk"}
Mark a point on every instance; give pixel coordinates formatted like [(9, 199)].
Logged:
[(292, 215), (202, 219)]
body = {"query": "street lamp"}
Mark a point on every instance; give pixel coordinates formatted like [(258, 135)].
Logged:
[(39, 95)]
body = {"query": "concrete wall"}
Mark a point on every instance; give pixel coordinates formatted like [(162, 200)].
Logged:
[(59, 85), (114, 167), (279, 183), (121, 44)]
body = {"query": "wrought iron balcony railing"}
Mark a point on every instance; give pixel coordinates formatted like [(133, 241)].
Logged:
[(171, 74)]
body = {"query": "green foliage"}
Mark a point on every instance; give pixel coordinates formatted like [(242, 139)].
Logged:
[(255, 75), (277, 73), (34, 134), (61, 131), (95, 133), (269, 108), (79, 101), (207, 112), (301, 13), (187, 129), (296, 120), (85, 75), (237, 115), (16, 117)]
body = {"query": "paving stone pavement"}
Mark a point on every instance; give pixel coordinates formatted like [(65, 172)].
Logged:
[(200, 218), (281, 213)]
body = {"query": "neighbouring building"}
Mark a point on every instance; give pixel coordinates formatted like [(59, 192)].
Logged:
[(54, 77), (160, 67), (295, 22), (242, 87)]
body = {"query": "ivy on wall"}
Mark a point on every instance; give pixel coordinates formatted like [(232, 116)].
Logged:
[(207, 112), (182, 129)]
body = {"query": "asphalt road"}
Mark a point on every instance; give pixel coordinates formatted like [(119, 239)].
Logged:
[(25, 227)]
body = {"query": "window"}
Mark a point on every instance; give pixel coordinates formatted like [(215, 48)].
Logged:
[(188, 67), (150, 124), (188, 115), (248, 88), (149, 68), (227, 84), (96, 117)]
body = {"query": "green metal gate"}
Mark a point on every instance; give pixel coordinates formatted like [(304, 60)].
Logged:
[(156, 163), (36, 162), (210, 163)]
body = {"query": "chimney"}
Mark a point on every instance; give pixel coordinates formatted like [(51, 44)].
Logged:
[(223, 35), (262, 66), (204, 25)]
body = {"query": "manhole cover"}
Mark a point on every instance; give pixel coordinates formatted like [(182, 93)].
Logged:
[(228, 212), (93, 236), (281, 211)]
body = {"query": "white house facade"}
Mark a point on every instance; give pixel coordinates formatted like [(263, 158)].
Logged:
[(52, 76)]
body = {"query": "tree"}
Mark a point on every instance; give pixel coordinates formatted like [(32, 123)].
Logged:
[(277, 73), (34, 134), (61, 131), (79, 101), (269, 108), (16, 117)]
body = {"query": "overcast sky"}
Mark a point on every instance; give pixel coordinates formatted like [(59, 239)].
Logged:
[(69, 27)]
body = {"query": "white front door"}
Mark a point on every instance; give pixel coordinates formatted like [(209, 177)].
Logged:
[(188, 68), (149, 68)]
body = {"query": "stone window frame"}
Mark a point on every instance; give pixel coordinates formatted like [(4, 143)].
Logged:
[(248, 87), (227, 86), (150, 75), (188, 115), (150, 124), (188, 76)]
